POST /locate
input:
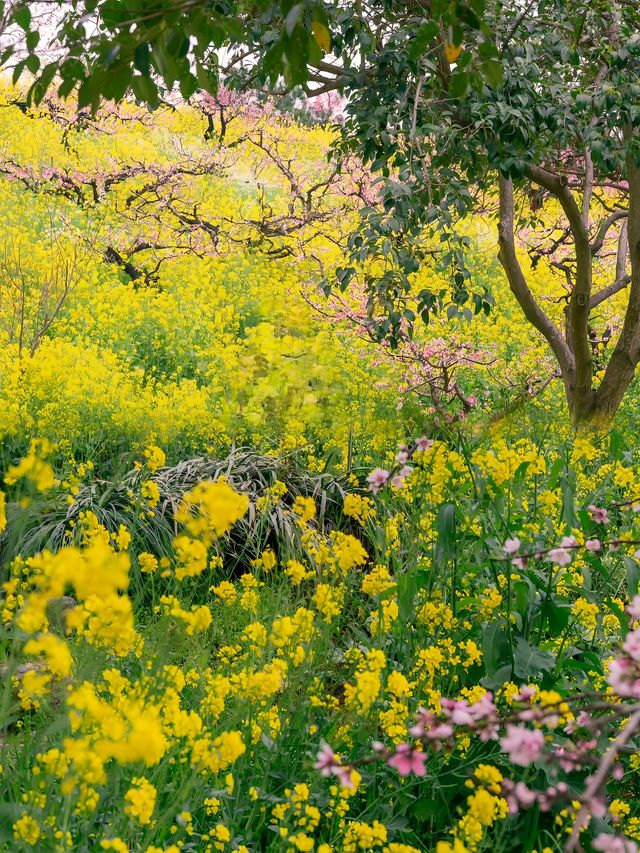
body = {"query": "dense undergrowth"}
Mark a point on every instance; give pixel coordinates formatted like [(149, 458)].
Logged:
[(188, 712), (203, 582)]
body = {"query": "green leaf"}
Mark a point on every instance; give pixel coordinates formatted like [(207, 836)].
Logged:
[(554, 473), (188, 85), (118, 82), (72, 69), (530, 660), (621, 614), (446, 533), (177, 44), (17, 71), (314, 52), (425, 35), (142, 59), (32, 63), (617, 442), (407, 588), (296, 52), (66, 87), (22, 16), (164, 64), (558, 616), (89, 92), (39, 89), (493, 72), (291, 20), (568, 502), (496, 680), (593, 660), (145, 90), (459, 84), (425, 809), (633, 575), (207, 78), (523, 596), (114, 12), (495, 646), (272, 61)]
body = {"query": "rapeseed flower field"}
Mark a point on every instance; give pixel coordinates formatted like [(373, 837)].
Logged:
[(268, 585)]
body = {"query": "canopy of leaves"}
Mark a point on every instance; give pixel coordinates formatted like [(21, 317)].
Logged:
[(570, 83), (114, 47)]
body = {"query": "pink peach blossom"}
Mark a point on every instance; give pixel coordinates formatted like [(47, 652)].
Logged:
[(614, 844), (407, 760), (598, 514), (511, 545), (377, 478), (524, 746), (631, 644)]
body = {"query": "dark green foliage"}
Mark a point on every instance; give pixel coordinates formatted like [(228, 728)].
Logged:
[(49, 522)]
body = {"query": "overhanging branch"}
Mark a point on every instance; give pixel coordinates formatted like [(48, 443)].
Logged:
[(608, 291), (604, 227)]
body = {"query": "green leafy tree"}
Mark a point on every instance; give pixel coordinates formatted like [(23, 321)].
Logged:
[(511, 109)]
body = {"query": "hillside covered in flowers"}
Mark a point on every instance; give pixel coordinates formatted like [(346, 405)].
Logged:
[(160, 281), (268, 583)]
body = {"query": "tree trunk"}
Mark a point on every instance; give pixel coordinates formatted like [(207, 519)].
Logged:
[(587, 406), (626, 355)]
